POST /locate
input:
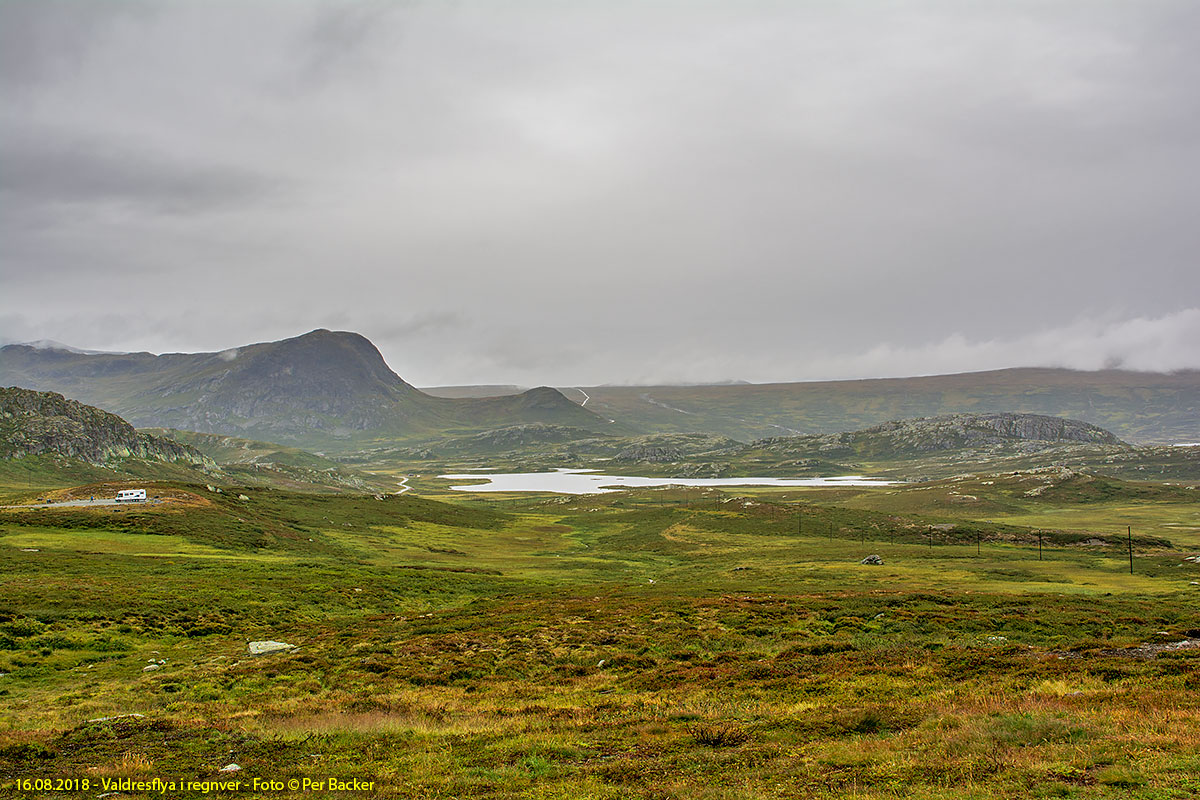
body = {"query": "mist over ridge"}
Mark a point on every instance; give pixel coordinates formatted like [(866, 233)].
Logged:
[(588, 195)]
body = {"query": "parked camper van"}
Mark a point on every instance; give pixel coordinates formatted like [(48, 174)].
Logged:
[(131, 496)]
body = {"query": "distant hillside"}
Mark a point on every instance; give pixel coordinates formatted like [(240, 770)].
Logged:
[(1145, 408), (323, 390), (483, 390), (254, 462), (916, 437), (332, 392), (944, 445), (235, 450), (512, 438)]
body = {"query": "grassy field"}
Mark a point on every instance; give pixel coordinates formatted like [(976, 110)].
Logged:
[(663, 643)]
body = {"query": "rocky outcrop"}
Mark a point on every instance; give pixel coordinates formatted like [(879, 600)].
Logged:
[(914, 437), (662, 448), (514, 437), (965, 430), (33, 423), (649, 454)]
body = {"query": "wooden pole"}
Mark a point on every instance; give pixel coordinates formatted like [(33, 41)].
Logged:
[(1129, 538), (1039, 545)]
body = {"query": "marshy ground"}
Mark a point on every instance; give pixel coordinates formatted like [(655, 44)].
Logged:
[(659, 643)]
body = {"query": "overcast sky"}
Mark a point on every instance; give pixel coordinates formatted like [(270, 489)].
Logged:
[(591, 192)]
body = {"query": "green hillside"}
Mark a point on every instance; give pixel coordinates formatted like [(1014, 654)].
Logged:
[(270, 464), (327, 391), (47, 440), (917, 449), (228, 450), (1143, 408)]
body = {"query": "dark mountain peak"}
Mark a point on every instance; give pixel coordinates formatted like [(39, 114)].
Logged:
[(323, 380), (326, 335), (325, 389), (320, 362), (543, 397), (324, 346)]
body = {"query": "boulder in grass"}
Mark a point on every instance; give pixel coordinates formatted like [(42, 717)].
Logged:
[(262, 648), (873, 560)]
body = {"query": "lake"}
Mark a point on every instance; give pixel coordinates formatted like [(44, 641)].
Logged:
[(584, 481)]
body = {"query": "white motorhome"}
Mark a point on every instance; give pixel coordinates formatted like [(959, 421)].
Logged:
[(131, 496)]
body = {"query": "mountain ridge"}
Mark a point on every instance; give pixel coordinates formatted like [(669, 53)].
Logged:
[(332, 390), (323, 389), (1140, 407)]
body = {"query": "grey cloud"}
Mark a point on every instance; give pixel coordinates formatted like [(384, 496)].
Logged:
[(431, 323), (340, 37), (41, 40), (581, 193), (55, 169)]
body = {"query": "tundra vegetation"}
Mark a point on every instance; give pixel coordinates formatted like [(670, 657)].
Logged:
[(659, 643)]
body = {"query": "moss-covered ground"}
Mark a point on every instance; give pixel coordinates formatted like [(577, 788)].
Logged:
[(654, 644)]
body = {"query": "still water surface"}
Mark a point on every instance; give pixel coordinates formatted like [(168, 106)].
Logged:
[(583, 481)]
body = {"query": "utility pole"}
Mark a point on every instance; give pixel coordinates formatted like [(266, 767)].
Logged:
[(930, 537), (1129, 538), (1039, 545)]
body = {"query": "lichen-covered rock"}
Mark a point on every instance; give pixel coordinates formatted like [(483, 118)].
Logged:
[(33, 423), (1025, 433), (649, 455)]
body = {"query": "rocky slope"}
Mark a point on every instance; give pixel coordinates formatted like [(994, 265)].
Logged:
[(915, 437), (36, 423)]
